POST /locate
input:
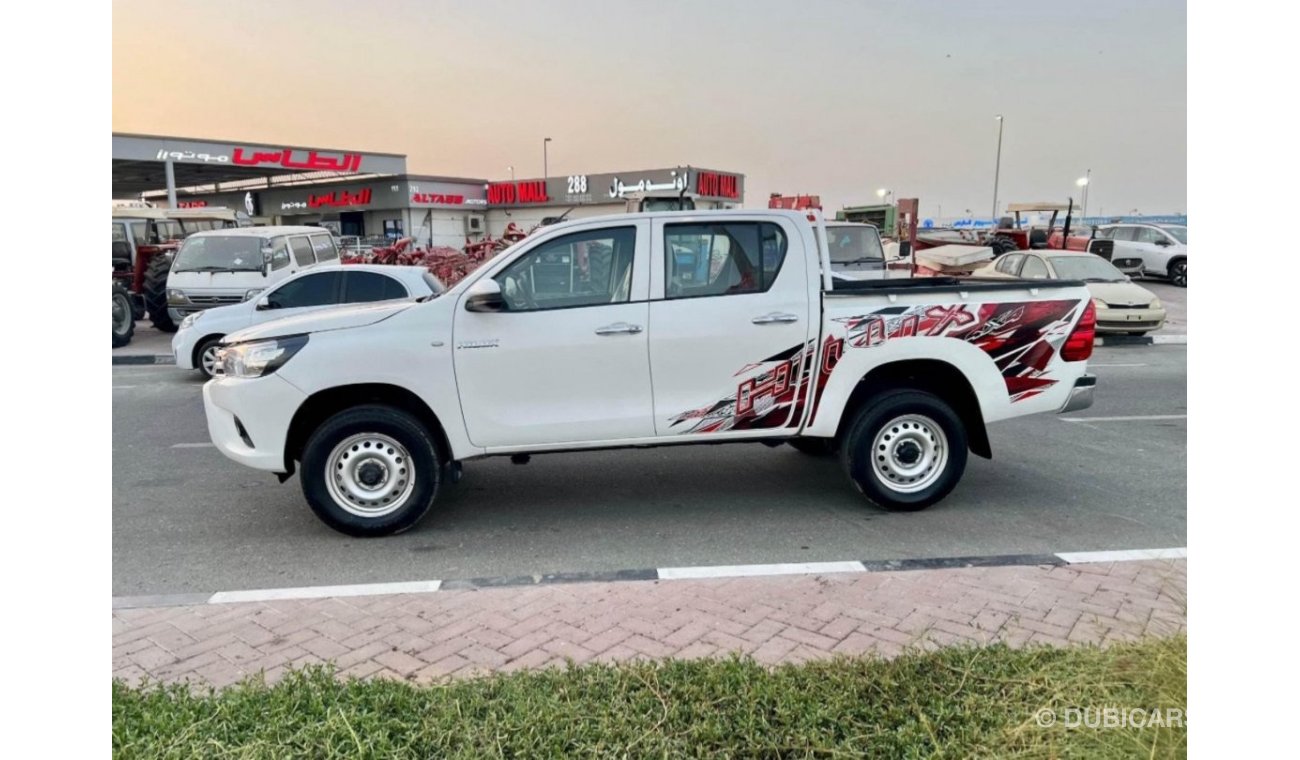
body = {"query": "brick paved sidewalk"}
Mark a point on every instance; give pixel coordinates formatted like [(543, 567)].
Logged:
[(424, 637)]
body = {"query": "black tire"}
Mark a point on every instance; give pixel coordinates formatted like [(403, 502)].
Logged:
[(123, 316), (425, 462), (873, 419), (1178, 272), (155, 292), (200, 350), (1001, 245), (813, 447)]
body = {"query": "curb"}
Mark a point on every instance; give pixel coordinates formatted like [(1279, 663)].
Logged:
[(144, 359), (666, 574), (1144, 340)]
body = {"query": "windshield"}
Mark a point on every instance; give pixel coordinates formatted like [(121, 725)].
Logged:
[(1179, 233), (214, 253), (169, 230), (854, 245), (1087, 268)]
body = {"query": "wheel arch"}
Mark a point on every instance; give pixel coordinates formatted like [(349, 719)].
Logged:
[(931, 376), (195, 353), (323, 404)]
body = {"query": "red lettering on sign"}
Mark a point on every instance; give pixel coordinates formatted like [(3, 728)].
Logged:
[(191, 204), (308, 161), (533, 191), (454, 200), (340, 198), (716, 185)]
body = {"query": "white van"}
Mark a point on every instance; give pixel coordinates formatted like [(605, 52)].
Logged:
[(229, 266)]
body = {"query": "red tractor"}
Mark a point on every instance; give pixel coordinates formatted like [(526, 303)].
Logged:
[(1036, 235)]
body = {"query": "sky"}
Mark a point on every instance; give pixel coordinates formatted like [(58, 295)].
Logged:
[(820, 97)]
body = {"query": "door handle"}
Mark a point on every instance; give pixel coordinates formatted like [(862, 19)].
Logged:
[(775, 317), (619, 328)]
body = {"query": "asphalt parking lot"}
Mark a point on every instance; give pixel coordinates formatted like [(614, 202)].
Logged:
[(186, 520)]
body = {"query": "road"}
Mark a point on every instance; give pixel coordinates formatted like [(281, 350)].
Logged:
[(186, 520)]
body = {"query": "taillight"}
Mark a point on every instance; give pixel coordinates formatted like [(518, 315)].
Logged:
[(1079, 345)]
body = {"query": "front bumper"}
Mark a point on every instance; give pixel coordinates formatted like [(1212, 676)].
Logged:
[(248, 419), (183, 348), (1129, 320), (1080, 394)]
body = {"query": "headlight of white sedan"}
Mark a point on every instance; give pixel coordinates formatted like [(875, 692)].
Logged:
[(1155, 304), (189, 321), (259, 358)]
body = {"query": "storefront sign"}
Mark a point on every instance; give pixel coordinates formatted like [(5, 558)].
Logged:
[(677, 182), (717, 185), (340, 198), (275, 159), (448, 200), (302, 160), (191, 204), (505, 193)]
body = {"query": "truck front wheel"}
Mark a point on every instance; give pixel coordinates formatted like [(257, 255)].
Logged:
[(905, 450), (371, 471)]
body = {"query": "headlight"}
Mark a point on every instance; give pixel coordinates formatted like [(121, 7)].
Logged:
[(190, 320), (176, 296), (1155, 304), (1100, 304), (259, 358), (252, 293)]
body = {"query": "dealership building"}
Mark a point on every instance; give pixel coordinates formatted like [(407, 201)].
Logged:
[(373, 195)]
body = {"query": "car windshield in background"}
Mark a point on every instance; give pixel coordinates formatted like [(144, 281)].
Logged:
[(220, 254), (854, 245), (1087, 268), (1179, 233)]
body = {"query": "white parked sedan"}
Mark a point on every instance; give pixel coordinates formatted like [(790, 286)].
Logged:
[(195, 343), (1122, 305)]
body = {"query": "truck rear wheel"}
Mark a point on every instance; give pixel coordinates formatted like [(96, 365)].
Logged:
[(905, 450), (123, 316), (371, 471), (155, 292)]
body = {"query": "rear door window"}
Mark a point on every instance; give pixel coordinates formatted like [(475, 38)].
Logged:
[(1034, 269), (722, 259), (320, 289), (302, 253), (364, 287), (324, 247)]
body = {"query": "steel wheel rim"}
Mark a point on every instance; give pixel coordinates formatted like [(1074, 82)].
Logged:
[(909, 453), (370, 475), (209, 359), (120, 311)]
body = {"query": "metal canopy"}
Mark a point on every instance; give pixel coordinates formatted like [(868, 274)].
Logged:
[(140, 162)]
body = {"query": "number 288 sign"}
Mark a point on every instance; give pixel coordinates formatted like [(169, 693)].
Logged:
[(577, 184)]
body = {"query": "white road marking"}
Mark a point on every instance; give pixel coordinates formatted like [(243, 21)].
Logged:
[(1130, 418), (1123, 555), (192, 445), (1165, 340), (124, 387), (742, 571), (318, 592)]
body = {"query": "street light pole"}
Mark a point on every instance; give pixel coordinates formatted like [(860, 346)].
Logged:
[(546, 172), (1087, 181), (997, 171), (512, 173)]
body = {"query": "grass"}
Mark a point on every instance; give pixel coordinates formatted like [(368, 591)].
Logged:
[(957, 703)]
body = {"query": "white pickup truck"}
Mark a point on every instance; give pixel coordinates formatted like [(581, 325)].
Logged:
[(648, 329)]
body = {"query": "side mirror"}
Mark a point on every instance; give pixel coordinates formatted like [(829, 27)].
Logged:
[(485, 296), (266, 262), (1163, 242), (264, 303)]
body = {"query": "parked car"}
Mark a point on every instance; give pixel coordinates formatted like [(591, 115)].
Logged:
[(196, 342), (229, 266), (1162, 247), (590, 334), (1122, 305)]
